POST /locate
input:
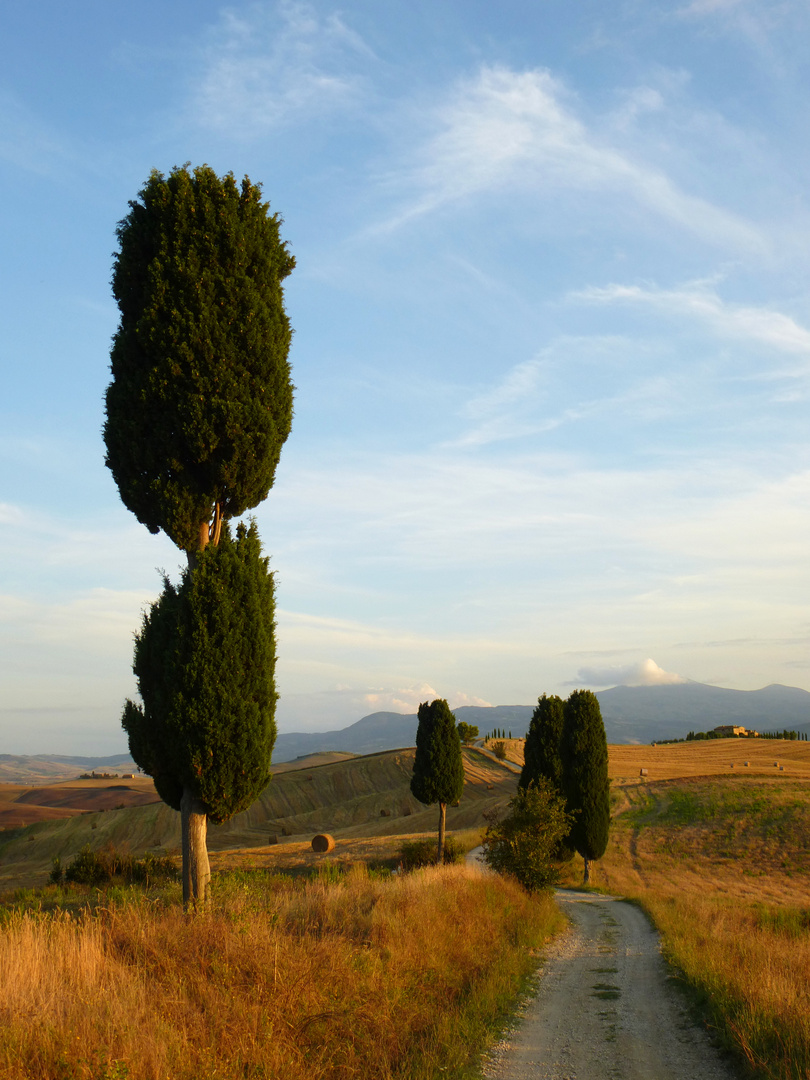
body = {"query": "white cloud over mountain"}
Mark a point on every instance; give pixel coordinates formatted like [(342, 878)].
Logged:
[(645, 673)]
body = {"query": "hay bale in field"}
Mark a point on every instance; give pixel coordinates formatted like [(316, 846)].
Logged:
[(285, 831), (323, 843), (642, 772), (272, 839), (385, 813)]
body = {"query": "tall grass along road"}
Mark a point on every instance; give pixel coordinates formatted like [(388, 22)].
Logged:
[(604, 1008)]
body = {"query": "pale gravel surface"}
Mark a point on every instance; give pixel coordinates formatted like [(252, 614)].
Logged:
[(604, 1007)]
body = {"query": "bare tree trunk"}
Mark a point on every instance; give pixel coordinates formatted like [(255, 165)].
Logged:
[(442, 819), (587, 876), (196, 869)]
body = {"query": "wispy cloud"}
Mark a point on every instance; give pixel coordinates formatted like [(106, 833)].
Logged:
[(699, 302), (509, 129), (26, 142), (269, 65), (527, 401)]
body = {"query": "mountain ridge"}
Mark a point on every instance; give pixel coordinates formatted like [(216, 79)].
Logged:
[(632, 714)]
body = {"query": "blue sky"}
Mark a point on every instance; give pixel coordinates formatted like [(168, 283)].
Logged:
[(552, 343)]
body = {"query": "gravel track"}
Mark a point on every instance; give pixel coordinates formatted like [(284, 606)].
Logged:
[(605, 1008)]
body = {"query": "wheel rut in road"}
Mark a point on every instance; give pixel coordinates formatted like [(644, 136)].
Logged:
[(605, 1008)]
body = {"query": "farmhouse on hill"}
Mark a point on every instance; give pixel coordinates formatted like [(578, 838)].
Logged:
[(735, 729)]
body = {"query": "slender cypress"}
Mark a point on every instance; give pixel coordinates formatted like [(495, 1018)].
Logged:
[(438, 767), (585, 775), (541, 752)]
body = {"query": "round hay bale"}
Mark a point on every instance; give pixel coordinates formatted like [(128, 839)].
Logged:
[(385, 813), (323, 843), (272, 839)]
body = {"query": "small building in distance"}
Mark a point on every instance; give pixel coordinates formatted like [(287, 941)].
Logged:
[(735, 729)]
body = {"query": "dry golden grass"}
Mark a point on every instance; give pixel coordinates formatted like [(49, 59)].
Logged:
[(723, 866), (373, 978), (714, 757)]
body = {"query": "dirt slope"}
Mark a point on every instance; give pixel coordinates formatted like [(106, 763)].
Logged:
[(604, 1008)]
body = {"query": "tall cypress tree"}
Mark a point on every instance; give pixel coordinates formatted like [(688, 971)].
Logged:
[(541, 751), (542, 755), (585, 776), (438, 767), (199, 406), (205, 664)]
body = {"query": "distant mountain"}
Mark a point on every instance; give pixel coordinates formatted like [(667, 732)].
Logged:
[(642, 714), (390, 731), (632, 714)]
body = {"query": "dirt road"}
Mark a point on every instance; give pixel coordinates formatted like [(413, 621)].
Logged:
[(604, 1009)]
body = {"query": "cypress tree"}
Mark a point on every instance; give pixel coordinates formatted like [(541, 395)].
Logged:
[(199, 406), (541, 751), (200, 401), (205, 663), (542, 755), (438, 767), (585, 776)]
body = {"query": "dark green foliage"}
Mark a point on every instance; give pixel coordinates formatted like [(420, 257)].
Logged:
[(585, 774), (438, 768), (205, 663), (525, 842), (200, 401), (499, 750), (541, 753), (467, 732), (416, 853), (99, 867)]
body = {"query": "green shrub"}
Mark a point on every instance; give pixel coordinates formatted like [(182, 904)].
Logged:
[(100, 867), (416, 853), (499, 750), (524, 843)]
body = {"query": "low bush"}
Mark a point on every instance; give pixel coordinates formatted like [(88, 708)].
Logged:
[(416, 853), (100, 867), (525, 843), (499, 750)]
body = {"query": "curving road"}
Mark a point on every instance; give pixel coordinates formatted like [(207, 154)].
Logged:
[(604, 1009)]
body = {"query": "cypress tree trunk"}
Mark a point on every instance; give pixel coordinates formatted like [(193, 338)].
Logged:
[(442, 819), (587, 875), (196, 869)]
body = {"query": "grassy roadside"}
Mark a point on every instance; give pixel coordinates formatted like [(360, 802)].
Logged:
[(338, 976), (721, 866)]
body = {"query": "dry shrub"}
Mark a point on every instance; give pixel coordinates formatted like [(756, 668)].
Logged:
[(383, 978)]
